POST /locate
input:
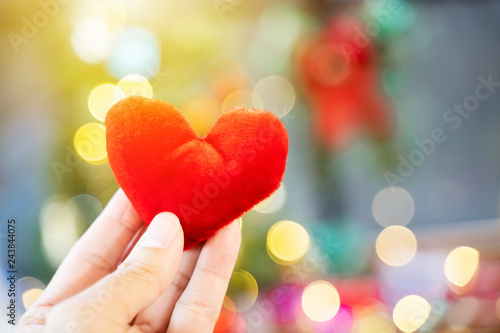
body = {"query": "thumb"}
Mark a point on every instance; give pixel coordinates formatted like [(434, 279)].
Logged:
[(140, 279), (151, 266)]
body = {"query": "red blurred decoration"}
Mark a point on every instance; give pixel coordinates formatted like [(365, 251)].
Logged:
[(341, 75)]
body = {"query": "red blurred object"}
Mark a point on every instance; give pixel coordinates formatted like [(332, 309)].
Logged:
[(341, 75)]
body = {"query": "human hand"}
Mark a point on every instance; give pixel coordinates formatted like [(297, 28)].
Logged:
[(157, 288)]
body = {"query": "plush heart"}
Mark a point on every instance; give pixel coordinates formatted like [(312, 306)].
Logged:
[(163, 165)]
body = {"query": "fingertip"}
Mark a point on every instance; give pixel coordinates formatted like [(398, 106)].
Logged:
[(164, 229)]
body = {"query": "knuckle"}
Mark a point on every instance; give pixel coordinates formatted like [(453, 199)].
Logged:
[(202, 311), (149, 327), (96, 259), (214, 271), (141, 271), (181, 280)]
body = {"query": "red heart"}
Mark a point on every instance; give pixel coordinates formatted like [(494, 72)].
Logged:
[(163, 165)]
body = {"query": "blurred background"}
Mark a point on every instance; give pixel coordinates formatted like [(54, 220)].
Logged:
[(387, 218)]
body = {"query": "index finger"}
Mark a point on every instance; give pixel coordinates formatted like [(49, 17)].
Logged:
[(98, 252), (199, 306)]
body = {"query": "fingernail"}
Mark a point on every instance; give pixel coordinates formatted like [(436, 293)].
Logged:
[(161, 231)]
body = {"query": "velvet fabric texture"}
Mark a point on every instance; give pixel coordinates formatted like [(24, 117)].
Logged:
[(164, 166)]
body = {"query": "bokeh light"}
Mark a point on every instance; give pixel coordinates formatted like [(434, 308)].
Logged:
[(91, 39), (90, 143), (30, 296), (242, 97), (396, 245), (193, 32), (280, 25), (274, 203), (112, 12), (410, 313), (320, 301), (85, 208), (134, 51), (373, 318), (202, 112), (226, 76), (28, 282), (226, 317), (287, 242), (393, 206), (102, 98), (461, 265), (276, 94), (59, 229), (242, 290), (135, 85)]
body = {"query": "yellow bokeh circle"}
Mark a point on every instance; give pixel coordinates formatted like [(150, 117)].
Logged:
[(243, 290), (135, 85), (396, 245), (410, 313), (320, 301), (90, 143), (461, 265), (102, 98), (244, 98), (287, 242), (30, 296)]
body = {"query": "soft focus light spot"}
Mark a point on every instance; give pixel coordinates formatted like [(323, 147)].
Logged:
[(91, 39), (393, 206), (276, 94), (27, 282), (374, 318), (192, 32), (202, 112), (85, 208), (243, 290), (112, 12), (461, 265), (280, 25), (274, 203), (135, 85), (396, 245), (320, 301), (102, 98), (115, 13), (287, 242), (90, 143), (30, 296), (59, 230), (410, 313), (227, 76), (135, 51), (244, 98), (226, 317)]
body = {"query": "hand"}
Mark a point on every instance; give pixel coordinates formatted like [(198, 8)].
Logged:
[(157, 288)]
